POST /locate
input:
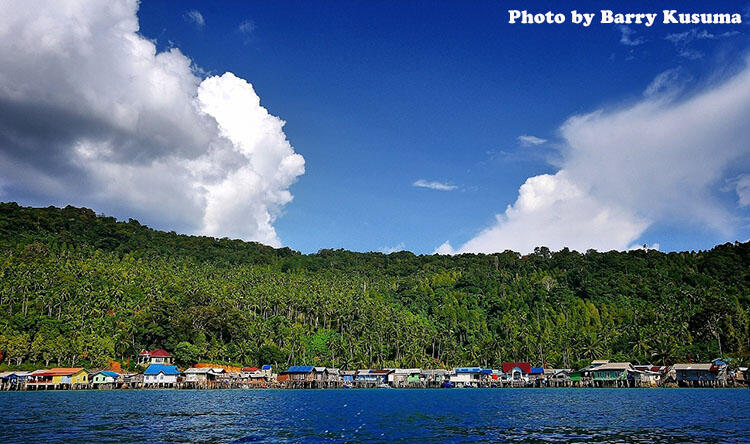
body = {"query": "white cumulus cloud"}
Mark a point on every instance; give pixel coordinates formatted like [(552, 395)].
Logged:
[(263, 175), (445, 248), (622, 170), (554, 211), (92, 114)]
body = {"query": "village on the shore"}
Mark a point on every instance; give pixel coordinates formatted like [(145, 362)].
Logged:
[(161, 372)]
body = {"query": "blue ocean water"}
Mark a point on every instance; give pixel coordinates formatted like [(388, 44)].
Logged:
[(377, 415)]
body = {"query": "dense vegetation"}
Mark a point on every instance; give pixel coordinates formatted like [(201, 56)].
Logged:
[(76, 288)]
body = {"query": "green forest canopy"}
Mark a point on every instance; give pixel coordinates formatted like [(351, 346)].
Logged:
[(79, 289)]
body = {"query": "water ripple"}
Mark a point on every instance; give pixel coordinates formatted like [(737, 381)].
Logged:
[(404, 416)]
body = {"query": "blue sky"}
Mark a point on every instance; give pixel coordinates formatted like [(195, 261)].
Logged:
[(377, 95)]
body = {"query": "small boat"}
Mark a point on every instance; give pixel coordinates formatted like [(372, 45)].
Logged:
[(347, 386), (384, 386), (447, 385)]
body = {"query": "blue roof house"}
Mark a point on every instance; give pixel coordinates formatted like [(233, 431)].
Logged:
[(161, 375), (300, 373), (104, 377)]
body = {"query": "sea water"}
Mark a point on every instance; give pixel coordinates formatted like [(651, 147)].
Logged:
[(377, 415)]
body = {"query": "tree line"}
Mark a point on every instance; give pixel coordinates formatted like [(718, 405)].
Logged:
[(82, 289)]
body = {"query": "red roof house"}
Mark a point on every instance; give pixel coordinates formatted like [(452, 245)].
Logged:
[(525, 367), (158, 356)]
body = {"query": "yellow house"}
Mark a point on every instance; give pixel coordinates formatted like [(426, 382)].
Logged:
[(73, 376)]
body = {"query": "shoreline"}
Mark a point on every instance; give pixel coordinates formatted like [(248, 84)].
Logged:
[(151, 389)]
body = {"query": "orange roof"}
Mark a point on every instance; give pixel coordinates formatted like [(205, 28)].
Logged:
[(114, 366), (227, 368), (63, 371)]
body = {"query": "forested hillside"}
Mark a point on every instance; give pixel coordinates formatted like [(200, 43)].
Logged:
[(77, 288)]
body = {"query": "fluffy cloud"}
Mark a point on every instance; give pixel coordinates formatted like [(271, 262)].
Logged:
[(555, 211), (445, 248), (262, 175), (434, 185), (657, 160), (92, 114)]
